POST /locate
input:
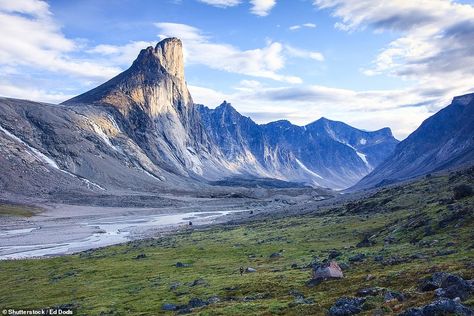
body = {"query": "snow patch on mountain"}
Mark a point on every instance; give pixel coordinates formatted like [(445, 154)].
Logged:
[(302, 166)]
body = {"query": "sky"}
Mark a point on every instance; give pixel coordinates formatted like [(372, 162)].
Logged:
[(368, 63)]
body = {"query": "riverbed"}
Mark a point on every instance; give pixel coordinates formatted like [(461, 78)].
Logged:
[(55, 234)]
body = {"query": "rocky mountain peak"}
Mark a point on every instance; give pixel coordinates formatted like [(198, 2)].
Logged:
[(165, 57), (154, 84), (170, 54)]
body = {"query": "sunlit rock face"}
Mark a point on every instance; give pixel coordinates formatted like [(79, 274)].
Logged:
[(153, 102)]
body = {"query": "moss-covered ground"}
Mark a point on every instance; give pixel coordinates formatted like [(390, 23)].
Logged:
[(415, 230)]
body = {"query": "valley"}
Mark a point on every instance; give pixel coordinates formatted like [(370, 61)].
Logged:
[(414, 230)]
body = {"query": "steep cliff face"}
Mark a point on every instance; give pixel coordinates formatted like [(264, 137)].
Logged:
[(152, 101), (323, 153), (445, 140)]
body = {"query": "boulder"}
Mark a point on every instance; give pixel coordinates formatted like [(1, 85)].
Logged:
[(447, 285), (182, 265), (440, 307), (346, 306), (357, 258), (333, 254), (169, 307), (392, 295), (250, 270), (275, 255), (140, 256), (196, 302), (329, 270), (213, 300)]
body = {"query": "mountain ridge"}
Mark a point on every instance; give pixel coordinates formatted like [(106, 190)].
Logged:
[(444, 140), (272, 146)]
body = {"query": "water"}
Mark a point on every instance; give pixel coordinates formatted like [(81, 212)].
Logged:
[(113, 230)]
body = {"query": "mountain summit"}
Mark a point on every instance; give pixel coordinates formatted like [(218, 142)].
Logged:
[(154, 83), (155, 106)]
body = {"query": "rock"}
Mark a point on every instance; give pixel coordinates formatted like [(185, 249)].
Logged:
[(250, 270), (393, 260), (182, 265), (294, 266), (334, 254), (370, 291), (357, 258), (440, 307), (275, 255), (314, 282), (140, 256), (299, 298), (454, 286), (344, 266), (366, 242), (213, 300), (346, 306), (329, 270), (391, 295), (169, 307), (196, 302), (447, 285), (198, 282)]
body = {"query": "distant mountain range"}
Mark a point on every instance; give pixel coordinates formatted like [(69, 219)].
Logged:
[(443, 141), (324, 153), (141, 131)]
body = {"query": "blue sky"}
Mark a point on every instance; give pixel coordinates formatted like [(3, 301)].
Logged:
[(369, 63)]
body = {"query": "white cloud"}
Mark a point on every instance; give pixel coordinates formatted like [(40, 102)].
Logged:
[(258, 7), (299, 26), (221, 3), (435, 44), (262, 7), (31, 93), (402, 110), (199, 49), (30, 37), (122, 55), (302, 53)]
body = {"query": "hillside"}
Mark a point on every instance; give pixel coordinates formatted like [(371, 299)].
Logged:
[(443, 141)]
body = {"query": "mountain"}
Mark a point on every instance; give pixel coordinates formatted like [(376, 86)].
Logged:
[(152, 100), (142, 132), (443, 141), (324, 153)]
